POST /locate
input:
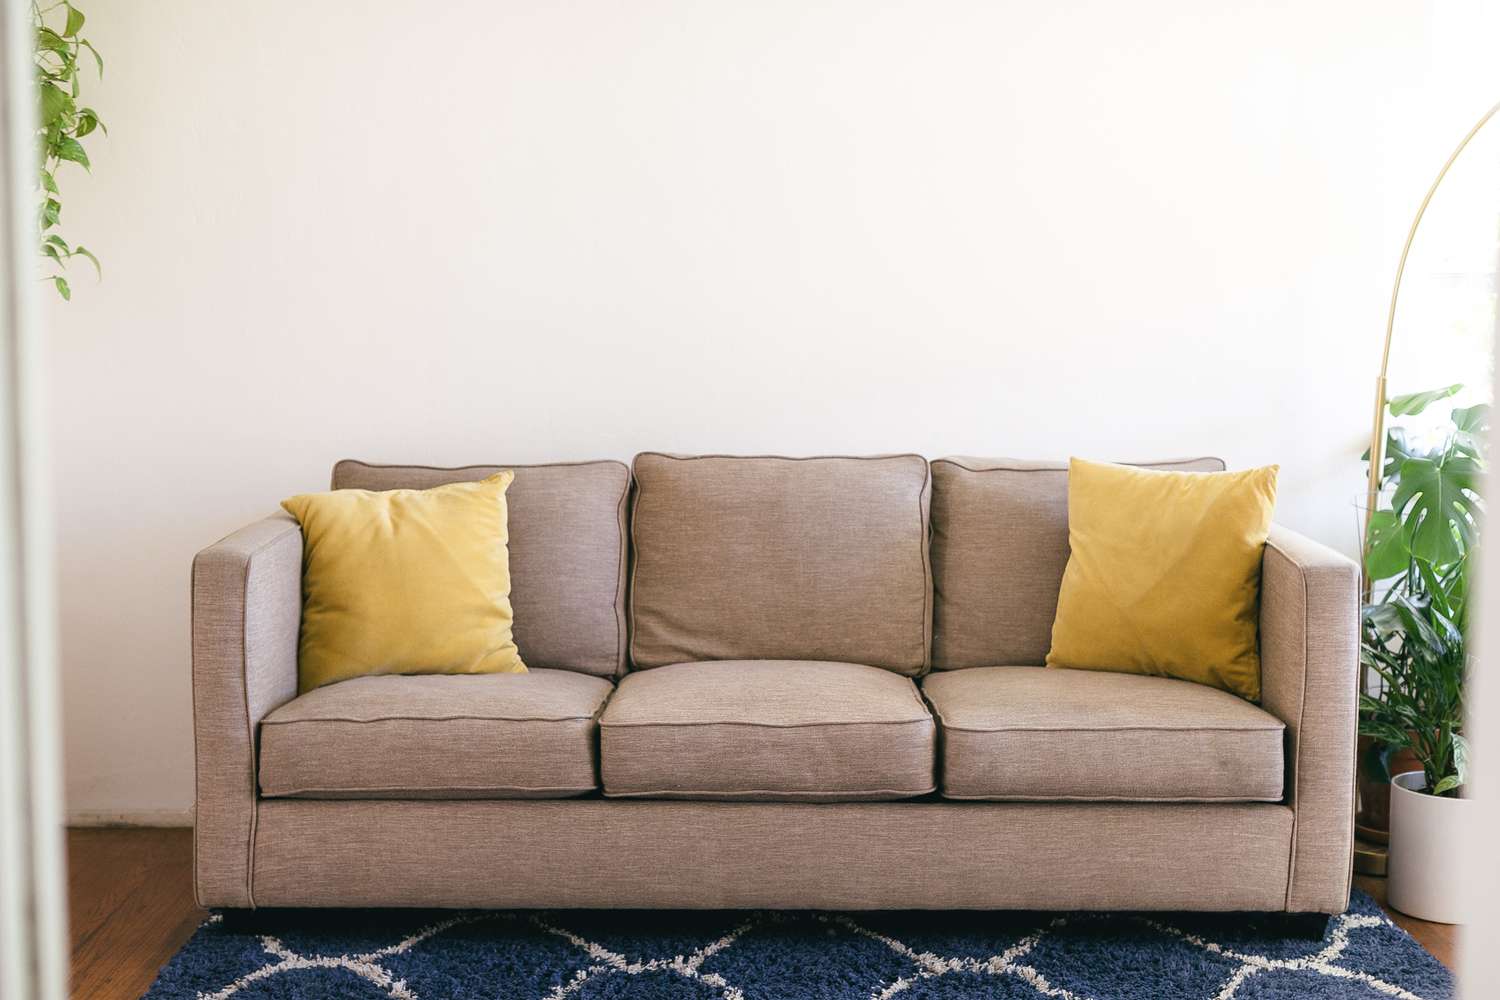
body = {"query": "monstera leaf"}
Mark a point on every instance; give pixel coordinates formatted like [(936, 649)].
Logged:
[(1413, 403), (1397, 450), (1438, 505), (1386, 550), (1470, 423)]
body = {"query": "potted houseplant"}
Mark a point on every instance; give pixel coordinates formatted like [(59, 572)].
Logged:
[(1415, 646)]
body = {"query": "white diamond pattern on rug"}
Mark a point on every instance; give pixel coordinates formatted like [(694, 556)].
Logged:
[(1321, 963), (807, 956)]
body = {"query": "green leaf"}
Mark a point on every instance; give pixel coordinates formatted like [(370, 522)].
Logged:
[(1398, 448), (1471, 425), (1386, 551), (97, 57), (1438, 506), (51, 251), (88, 120), (72, 149), (49, 183), (82, 251), (54, 104), (1437, 595), (1446, 785), (1383, 619), (1461, 758), (63, 289), (58, 242), (1413, 403), (75, 21), (51, 209), (51, 41), (1472, 419)]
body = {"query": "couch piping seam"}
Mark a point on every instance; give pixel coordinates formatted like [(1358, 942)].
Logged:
[(929, 582), (942, 720), (426, 718), (479, 465), (1279, 728), (245, 687), (1063, 468), (763, 725), (254, 768), (1291, 874), (787, 458), (197, 755), (717, 794), (324, 790), (1187, 799), (622, 651), (635, 564)]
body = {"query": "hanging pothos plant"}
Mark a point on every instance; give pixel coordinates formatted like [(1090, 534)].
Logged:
[(61, 123)]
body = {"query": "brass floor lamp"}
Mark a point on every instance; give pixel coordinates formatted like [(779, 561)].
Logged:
[(1370, 852), (1377, 433)]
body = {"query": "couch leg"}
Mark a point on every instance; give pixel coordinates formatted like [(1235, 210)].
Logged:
[(1305, 926)]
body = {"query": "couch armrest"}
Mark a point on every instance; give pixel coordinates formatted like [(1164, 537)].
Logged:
[(1309, 649), (247, 609)]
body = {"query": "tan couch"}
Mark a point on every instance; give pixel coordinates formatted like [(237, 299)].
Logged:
[(772, 682)]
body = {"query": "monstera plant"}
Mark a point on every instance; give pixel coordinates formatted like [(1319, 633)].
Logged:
[(1419, 556)]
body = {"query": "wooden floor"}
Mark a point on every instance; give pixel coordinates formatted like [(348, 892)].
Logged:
[(131, 899)]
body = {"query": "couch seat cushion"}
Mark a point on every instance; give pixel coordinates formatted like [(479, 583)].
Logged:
[(795, 730), (502, 736), (1039, 734)]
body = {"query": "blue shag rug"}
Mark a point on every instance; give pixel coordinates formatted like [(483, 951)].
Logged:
[(621, 955)]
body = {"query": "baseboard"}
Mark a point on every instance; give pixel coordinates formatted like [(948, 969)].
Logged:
[(131, 817)]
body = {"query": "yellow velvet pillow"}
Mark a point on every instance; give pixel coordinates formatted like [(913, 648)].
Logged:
[(405, 582), (1164, 576)]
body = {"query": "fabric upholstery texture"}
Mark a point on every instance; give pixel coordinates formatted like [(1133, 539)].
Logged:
[(1033, 733), (1163, 575), (1295, 855), (567, 553), (405, 582), (484, 736), (1309, 647), (767, 730), (828, 855), (999, 545), (247, 604), (781, 558)]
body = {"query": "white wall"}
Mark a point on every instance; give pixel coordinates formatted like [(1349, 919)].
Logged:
[(496, 231)]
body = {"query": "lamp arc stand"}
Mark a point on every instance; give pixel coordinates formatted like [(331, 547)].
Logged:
[(1370, 858), (1377, 434)]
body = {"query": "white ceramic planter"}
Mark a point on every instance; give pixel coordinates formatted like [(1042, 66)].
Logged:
[(1427, 851)]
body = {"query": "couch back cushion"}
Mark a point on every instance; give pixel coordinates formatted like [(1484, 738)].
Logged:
[(567, 553), (781, 559), (999, 547)]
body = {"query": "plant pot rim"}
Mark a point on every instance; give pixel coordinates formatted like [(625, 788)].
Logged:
[(1416, 784)]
